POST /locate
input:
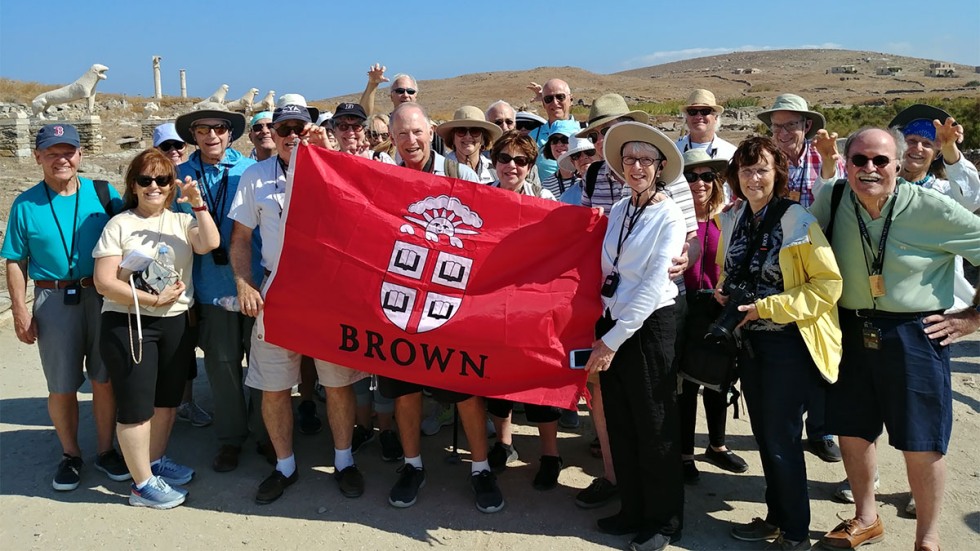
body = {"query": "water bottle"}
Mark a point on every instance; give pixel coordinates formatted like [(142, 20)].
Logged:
[(165, 257), (228, 303)]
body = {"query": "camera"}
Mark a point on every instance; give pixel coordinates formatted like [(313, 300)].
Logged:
[(220, 256), (610, 284), (722, 331)]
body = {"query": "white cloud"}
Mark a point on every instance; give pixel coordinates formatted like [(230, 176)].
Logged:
[(667, 56)]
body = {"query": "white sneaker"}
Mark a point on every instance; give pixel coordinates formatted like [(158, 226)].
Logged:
[(844, 492)]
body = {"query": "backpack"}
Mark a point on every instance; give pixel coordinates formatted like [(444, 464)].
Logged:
[(102, 190), (591, 175), (835, 198)]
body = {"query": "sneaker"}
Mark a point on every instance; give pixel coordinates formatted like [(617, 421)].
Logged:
[(910, 508), (156, 494), (189, 412), (547, 477), (442, 417), (360, 437), (500, 455), (599, 493), (844, 494), (647, 541), (824, 448), (569, 419), (691, 473), (726, 460), (391, 447), (273, 486), (309, 423), (406, 490), (112, 464), (488, 496), (172, 473), (757, 530), (350, 481), (67, 477)]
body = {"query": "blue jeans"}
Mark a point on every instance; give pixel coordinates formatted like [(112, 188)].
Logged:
[(778, 375)]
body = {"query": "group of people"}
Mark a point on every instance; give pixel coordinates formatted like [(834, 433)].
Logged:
[(835, 272)]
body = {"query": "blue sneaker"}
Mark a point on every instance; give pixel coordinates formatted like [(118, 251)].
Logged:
[(173, 473), (157, 494)]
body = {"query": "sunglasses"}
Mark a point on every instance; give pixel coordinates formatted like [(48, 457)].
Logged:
[(644, 161), (527, 125), (706, 177), (257, 128), (409, 91), (205, 129), (559, 139), (503, 122), (378, 135), (471, 131), (345, 126), (594, 136), (519, 160), (287, 129), (171, 144), (161, 181), (552, 97), (861, 161), (587, 153), (704, 111)]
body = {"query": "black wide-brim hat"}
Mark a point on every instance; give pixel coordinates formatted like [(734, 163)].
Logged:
[(184, 123), (916, 112)]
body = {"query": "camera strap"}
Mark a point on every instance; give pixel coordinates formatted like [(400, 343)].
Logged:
[(762, 237)]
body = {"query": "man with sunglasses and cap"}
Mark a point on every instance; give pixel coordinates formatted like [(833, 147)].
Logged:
[(258, 205), (896, 245), (556, 97), (165, 139), (260, 134), (223, 335), (348, 125), (51, 232)]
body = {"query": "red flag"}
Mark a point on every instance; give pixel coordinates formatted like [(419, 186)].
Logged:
[(439, 282)]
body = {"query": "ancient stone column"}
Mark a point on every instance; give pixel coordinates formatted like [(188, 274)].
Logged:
[(157, 88), (183, 83), (90, 134), (15, 137)]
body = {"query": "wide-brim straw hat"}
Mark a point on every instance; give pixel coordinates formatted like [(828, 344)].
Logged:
[(608, 107), (916, 112), (468, 116), (625, 132), (184, 123), (792, 102), (704, 98), (575, 145), (694, 158)]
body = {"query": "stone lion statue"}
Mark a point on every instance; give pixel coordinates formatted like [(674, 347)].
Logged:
[(267, 104), (244, 103), (217, 97), (83, 88)]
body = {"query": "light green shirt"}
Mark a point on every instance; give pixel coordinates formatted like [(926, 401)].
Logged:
[(928, 231)]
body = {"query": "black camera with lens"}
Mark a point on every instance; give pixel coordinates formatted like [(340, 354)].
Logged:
[(220, 255), (722, 331), (610, 284)]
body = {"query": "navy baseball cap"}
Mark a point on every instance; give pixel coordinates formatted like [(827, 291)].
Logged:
[(54, 134), (350, 110), (291, 112)]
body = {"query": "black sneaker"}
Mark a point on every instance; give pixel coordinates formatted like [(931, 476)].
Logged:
[(500, 455), (599, 493), (309, 423), (406, 490), (360, 437), (67, 477), (350, 481), (112, 464), (726, 460), (391, 447), (273, 486), (824, 448), (757, 530), (691, 473), (488, 496), (547, 477)]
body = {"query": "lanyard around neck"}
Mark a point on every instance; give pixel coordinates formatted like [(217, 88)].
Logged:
[(69, 250)]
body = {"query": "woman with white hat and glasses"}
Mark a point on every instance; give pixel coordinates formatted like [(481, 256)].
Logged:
[(634, 351)]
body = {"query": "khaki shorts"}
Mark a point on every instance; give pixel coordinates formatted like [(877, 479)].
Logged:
[(273, 368)]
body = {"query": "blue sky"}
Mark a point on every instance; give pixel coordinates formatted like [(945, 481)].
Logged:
[(323, 49)]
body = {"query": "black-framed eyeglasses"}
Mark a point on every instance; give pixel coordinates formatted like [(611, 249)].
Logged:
[(409, 91), (596, 134), (345, 126), (861, 161), (171, 144), (161, 181), (205, 129), (704, 111), (706, 177), (577, 155), (259, 127), (286, 129), (787, 127), (552, 97), (519, 160), (644, 161)]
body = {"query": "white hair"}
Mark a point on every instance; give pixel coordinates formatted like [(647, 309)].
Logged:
[(409, 77), (496, 104)]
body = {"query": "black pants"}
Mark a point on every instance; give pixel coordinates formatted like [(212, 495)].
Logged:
[(715, 414), (639, 392)]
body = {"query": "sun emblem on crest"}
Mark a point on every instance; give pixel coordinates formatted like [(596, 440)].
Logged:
[(442, 215)]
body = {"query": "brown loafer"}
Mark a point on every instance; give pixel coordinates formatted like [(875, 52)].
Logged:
[(227, 458), (850, 535)]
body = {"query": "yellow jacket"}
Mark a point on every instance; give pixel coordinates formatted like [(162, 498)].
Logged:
[(812, 284)]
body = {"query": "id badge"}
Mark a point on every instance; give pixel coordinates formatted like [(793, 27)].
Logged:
[(73, 295), (794, 196), (872, 336), (877, 283)]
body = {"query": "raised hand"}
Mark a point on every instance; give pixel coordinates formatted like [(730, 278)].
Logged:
[(376, 74), (189, 192)]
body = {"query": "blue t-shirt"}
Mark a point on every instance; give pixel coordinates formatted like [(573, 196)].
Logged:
[(212, 280), (540, 135), (32, 230)]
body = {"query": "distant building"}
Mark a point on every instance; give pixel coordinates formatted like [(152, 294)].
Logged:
[(941, 70), (843, 70), (888, 71), (743, 71)]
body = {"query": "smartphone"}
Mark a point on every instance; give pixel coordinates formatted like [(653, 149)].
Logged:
[(579, 357)]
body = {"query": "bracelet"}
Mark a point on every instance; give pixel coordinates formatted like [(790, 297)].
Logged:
[(200, 208)]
